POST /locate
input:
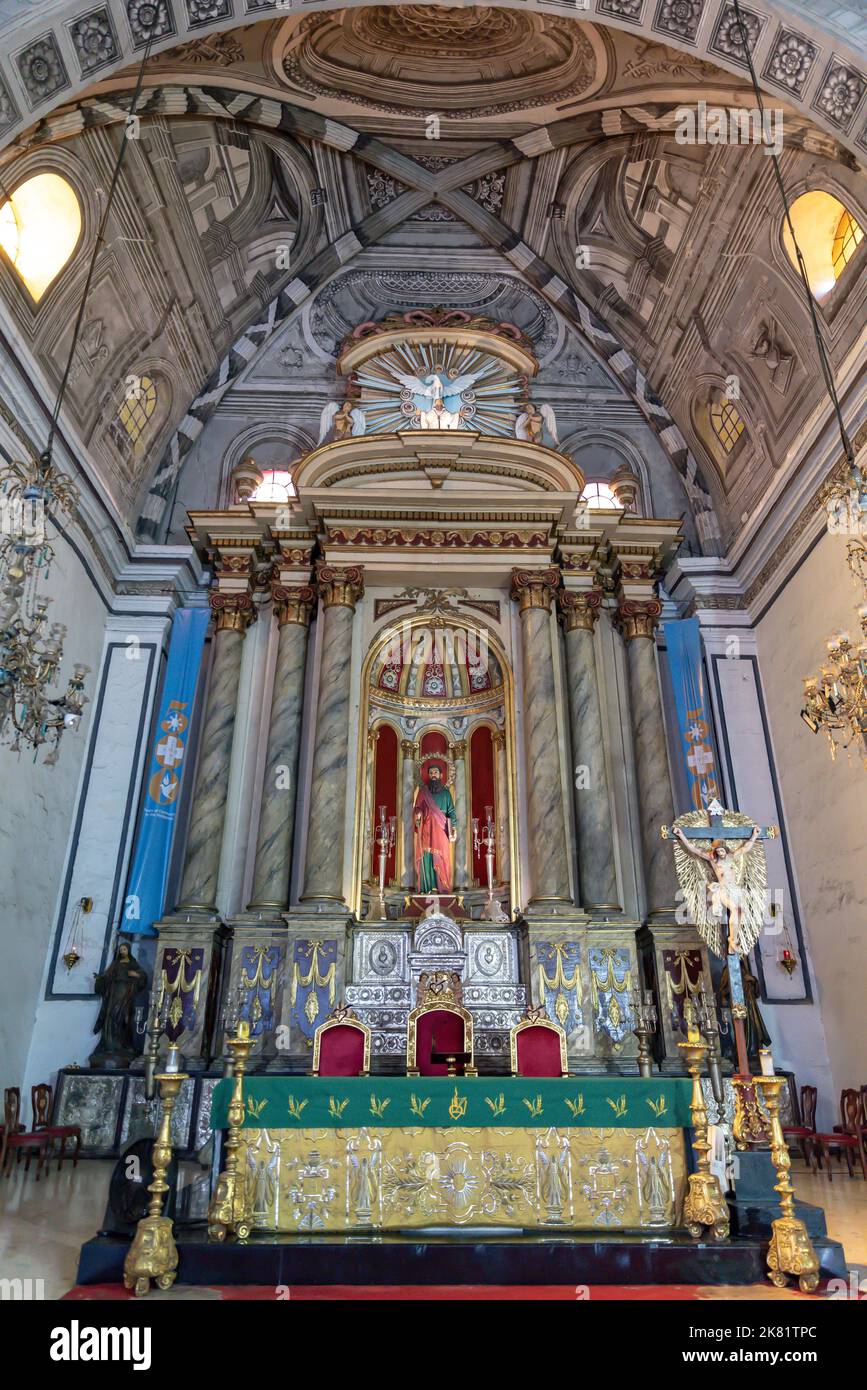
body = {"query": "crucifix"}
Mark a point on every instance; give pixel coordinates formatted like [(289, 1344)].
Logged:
[(720, 863)]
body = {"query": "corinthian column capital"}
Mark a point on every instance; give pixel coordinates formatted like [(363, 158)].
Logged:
[(637, 617), (579, 609), (293, 603), (534, 588), (232, 612), (339, 587)]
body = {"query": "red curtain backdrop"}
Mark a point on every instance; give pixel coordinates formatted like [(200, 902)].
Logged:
[(385, 794), (482, 782), (434, 742)]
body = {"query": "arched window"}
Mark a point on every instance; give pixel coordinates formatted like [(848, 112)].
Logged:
[(139, 403), (849, 234), (40, 224), (828, 236), (599, 497), (727, 423), (276, 486), (134, 414)]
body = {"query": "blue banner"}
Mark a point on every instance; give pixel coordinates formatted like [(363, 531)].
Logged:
[(683, 640), (147, 882)]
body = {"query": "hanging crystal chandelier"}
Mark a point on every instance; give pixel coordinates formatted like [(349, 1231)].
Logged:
[(835, 701), (31, 648)]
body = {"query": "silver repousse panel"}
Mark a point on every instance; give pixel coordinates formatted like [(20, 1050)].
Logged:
[(379, 957), (492, 957), (141, 1116), (92, 1103)]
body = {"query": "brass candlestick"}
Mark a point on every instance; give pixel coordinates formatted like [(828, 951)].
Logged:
[(153, 1254), (229, 1212), (791, 1250), (705, 1204), (644, 1026)]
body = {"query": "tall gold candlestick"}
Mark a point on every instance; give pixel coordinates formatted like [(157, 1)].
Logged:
[(704, 1205), (153, 1254), (229, 1212), (791, 1250)]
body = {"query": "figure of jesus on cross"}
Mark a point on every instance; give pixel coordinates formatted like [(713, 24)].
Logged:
[(720, 862)]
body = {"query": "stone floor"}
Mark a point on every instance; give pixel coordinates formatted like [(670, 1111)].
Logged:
[(42, 1226)]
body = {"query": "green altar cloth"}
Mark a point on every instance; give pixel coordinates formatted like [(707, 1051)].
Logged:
[(600, 1102)]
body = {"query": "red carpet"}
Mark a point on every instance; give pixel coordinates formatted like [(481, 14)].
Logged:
[(564, 1293)]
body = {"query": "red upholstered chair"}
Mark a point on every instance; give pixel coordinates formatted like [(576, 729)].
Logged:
[(849, 1138), (16, 1138), (805, 1132), (341, 1045), (40, 1099), (538, 1046), (438, 1024)]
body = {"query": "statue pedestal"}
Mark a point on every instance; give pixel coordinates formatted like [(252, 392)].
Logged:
[(754, 1203)]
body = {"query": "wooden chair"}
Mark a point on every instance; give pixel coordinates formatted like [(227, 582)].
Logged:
[(805, 1132), (438, 1024), (341, 1045), (40, 1098), (17, 1139), (538, 1046), (849, 1137)]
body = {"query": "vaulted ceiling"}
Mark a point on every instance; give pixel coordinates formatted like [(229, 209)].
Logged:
[(293, 173)]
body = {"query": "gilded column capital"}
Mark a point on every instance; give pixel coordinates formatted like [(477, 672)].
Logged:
[(232, 612), (459, 750), (637, 617), (339, 586), (408, 748), (293, 603), (498, 738), (534, 588), (579, 609)]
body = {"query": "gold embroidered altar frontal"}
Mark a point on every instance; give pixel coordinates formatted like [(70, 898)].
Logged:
[(306, 1180)]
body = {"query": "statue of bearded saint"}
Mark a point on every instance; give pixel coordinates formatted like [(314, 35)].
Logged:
[(435, 824)]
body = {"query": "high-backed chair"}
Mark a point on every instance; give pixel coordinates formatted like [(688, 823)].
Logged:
[(341, 1045), (439, 1024), (849, 1138), (538, 1046), (40, 1098), (16, 1138), (805, 1131)]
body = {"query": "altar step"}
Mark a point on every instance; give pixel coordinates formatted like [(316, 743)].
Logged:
[(459, 1258)]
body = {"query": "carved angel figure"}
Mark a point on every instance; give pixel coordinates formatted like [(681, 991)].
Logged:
[(726, 880)]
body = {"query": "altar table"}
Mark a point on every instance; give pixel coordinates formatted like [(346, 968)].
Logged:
[(409, 1153)]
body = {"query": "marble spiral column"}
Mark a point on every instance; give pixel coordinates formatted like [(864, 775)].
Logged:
[(292, 606), (462, 869), (637, 621), (339, 590), (233, 615), (502, 809), (596, 871), (546, 828), (409, 754)]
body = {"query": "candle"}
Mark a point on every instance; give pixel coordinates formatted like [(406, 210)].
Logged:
[(173, 1061), (766, 1061)]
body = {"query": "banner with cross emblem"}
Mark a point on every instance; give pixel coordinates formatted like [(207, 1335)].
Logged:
[(143, 904)]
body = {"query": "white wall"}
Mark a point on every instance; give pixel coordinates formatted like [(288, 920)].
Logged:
[(37, 805), (825, 803)]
